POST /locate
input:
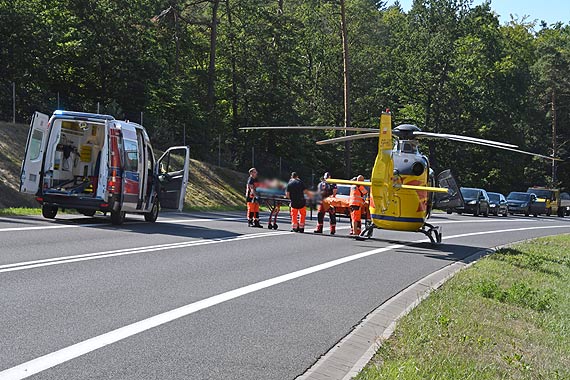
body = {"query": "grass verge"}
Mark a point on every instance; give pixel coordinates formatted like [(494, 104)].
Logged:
[(506, 317), (19, 211)]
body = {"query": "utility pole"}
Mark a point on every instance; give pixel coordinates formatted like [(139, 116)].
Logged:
[(97, 107), (141, 117), (346, 87), (554, 147), (14, 102)]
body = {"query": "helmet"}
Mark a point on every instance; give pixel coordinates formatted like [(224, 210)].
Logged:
[(326, 175)]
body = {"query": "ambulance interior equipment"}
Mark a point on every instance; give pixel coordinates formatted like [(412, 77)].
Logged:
[(74, 161)]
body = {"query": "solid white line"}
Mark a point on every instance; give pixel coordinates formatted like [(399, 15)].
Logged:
[(68, 353), (128, 251), (435, 222), (15, 229)]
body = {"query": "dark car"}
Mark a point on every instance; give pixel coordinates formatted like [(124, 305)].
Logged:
[(524, 203), (476, 201), (498, 204)]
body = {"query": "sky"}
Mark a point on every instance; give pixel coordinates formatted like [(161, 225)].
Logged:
[(550, 11)]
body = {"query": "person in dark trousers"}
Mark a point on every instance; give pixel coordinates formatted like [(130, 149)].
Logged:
[(325, 190), (296, 191), (252, 200)]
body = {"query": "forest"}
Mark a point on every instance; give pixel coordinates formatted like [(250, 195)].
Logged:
[(195, 71)]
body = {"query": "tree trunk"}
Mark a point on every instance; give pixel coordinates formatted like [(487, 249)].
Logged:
[(212, 64), (176, 41), (345, 61), (211, 96), (235, 130)]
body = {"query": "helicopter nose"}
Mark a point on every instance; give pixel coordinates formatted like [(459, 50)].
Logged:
[(418, 168)]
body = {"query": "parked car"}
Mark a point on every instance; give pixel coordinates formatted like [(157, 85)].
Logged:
[(476, 201), (565, 201), (525, 203), (341, 203), (498, 204), (555, 202)]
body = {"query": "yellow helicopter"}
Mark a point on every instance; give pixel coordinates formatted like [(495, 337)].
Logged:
[(402, 182)]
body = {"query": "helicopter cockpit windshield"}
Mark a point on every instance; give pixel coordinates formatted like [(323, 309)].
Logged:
[(407, 146)]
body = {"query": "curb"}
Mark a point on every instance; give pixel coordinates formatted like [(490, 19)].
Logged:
[(347, 358)]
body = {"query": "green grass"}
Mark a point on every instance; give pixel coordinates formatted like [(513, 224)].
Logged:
[(11, 211), (506, 317)]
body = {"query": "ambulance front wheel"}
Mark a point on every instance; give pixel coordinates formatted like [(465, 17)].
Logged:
[(153, 214), (49, 211), (117, 217)]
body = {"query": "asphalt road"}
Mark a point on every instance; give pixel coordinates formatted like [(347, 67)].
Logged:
[(202, 296)]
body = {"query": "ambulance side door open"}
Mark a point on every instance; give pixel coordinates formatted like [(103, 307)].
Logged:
[(172, 174), (32, 165)]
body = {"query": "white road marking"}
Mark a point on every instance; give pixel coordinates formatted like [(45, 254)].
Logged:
[(128, 251), (63, 355), (60, 226), (486, 220)]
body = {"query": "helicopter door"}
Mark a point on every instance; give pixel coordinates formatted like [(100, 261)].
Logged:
[(448, 201), (33, 158), (172, 169)]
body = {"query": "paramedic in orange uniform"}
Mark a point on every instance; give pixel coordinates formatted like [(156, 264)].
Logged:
[(252, 200), (296, 191), (325, 190), (357, 193)]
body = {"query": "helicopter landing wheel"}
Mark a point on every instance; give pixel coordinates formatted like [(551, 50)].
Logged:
[(366, 233), (434, 233)]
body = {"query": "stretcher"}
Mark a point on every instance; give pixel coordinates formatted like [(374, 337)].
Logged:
[(273, 199)]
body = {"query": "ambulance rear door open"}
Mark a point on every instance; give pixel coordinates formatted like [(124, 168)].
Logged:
[(32, 165), (172, 171)]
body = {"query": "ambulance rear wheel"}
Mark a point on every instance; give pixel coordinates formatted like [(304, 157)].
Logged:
[(49, 211), (117, 217), (153, 214)]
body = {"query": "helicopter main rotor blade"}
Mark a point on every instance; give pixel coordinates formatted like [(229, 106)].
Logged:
[(524, 152), (348, 138), (309, 127), (491, 143), (467, 139)]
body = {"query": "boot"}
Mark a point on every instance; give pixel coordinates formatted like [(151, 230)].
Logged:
[(319, 229), (333, 229), (301, 230), (256, 224), (250, 222)]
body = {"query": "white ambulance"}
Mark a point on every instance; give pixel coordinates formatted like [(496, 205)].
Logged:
[(92, 162)]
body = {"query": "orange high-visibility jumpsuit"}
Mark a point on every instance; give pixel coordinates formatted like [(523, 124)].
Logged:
[(356, 202)]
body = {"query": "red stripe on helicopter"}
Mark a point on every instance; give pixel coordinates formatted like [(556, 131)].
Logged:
[(422, 195)]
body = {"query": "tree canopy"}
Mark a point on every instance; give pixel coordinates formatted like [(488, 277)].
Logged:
[(197, 70)]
